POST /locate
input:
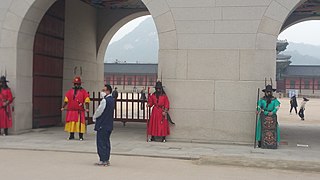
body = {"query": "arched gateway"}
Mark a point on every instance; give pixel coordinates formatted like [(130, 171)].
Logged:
[(213, 56)]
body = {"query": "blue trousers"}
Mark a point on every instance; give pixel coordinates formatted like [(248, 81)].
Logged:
[(103, 144)]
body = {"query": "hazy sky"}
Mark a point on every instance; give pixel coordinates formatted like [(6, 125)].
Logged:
[(307, 32), (128, 28)]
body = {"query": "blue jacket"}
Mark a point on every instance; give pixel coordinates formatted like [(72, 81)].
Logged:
[(105, 121)]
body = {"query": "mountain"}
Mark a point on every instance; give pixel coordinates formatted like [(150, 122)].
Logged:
[(303, 54), (140, 45)]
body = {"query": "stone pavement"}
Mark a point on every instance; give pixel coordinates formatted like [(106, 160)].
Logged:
[(131, 141)]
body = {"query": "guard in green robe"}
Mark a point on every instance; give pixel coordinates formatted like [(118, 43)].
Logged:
[(268, 131)]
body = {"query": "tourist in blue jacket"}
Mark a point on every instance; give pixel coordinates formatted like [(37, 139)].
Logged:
[(103, 118)]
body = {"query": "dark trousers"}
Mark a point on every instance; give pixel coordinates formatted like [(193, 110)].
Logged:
[(301, 113), (295, 108), (103, 144)]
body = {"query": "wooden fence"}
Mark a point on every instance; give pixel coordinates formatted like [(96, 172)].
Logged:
[(128, 108)]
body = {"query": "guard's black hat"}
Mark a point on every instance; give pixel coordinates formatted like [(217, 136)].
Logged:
[(3, 79), (158, 85), (268, 89)]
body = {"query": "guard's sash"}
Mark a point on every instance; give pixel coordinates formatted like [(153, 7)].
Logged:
[(268, 131)]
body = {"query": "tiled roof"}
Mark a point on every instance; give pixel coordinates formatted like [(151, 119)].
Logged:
[(302, 70)]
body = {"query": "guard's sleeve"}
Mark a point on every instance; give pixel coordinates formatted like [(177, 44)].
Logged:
[(87, 97), (276, 106), (166, 103), (150, 100)]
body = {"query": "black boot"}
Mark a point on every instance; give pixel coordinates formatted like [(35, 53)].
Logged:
[(5, 132), (152, 139), (71, 136), (259, 144), (163, 139), (81, 136)]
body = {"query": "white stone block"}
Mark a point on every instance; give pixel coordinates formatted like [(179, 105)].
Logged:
[(19, 7), (289, 4), (243, 13), (229, 94), (5, 4), (195, 27), (22, 116), (277, 12), (7, 60), (257, 64), (8, 38), (43, 4), (174, 63), (266, 41), (24, 89), (157, 7), (240, 26), (269, 26), (233, 126), (203, 92), (168, 40), (25, 41), (233, 3), (24, 63), (188, 122), (3, 14), (191, 3), (213, 64), (201, 14), (12, 21), (216, 41), (164, 22), (35, 14), (29, 27), (146, 1)]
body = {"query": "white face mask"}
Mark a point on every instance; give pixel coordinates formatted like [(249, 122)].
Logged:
[(102, 94)]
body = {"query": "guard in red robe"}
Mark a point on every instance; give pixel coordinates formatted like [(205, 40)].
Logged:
[(5, 108), (158, 124), (75, 100)]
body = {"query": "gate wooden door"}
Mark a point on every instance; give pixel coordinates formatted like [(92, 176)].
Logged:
[(48, 67)]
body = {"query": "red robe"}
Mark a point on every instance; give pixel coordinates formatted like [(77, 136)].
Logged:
[(75, 117), (5, 111), (158, 124)]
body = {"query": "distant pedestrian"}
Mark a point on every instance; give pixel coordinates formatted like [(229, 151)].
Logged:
[(302, 108), (115, 93), (143, 97), (103, 118), (293, 103)]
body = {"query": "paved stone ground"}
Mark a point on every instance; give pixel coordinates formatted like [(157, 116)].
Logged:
[(49, 165), (131, 141)]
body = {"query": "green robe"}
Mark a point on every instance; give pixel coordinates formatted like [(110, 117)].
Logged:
[(272, 107)]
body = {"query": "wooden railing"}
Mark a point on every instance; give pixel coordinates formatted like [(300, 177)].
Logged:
[(128, 108)]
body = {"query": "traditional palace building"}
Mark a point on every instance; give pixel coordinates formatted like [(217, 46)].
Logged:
[(303, 80), (128, 76)]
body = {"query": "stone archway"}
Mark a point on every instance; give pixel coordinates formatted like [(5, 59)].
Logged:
[(17, 37), (239, 59), (18, 33)]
